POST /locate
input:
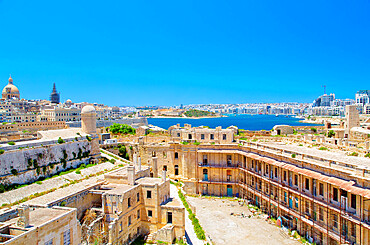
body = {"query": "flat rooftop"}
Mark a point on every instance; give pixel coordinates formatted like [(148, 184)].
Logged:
[(117, 189), (323, 154), (40, 216), (149, 181)]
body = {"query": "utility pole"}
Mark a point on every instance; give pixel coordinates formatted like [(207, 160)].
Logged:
[(324, 88)]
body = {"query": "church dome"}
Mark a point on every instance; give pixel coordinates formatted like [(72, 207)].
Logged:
[(88, 109), (13, 89), (10, 90)]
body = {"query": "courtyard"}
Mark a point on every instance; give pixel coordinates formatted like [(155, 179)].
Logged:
[(226, 221)]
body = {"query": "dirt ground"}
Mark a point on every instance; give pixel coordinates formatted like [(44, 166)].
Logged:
[(222, 220)]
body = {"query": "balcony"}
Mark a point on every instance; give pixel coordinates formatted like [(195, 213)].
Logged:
[(217, 165)]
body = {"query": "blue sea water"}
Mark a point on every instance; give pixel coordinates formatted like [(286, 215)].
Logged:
[(248, 122)]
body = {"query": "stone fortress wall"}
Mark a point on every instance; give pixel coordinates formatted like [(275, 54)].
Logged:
[(20, 165)]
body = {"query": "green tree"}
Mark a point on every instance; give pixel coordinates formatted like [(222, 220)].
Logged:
[(331, 133)]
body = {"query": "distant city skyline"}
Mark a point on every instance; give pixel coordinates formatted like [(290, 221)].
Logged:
[(167, 53)]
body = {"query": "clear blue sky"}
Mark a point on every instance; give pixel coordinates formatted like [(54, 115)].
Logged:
[(173, 52)]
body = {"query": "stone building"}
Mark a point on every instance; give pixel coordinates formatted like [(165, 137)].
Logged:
[(60, 114), (10, 91), (324, 196), (282, 130), (201, 134), (40, 225)]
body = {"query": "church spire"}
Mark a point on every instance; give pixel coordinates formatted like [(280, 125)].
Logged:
[(54, 89)]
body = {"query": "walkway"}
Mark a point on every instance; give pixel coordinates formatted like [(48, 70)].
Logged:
[(189, 228)]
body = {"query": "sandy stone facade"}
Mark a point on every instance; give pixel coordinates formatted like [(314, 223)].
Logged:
[(201, 134), (325, 197)]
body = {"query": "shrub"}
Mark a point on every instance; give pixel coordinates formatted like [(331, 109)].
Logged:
[(322, 148), (184, 142), (65, 155), (355, 154), (331, 133), (293, 155), (113, 161), (63, 203), (1, 151), (88, 138), (78, 171), (14, 171), (60, 140), (196, 143), (44, 169), (314, 130), (367, 155), (11, 143)]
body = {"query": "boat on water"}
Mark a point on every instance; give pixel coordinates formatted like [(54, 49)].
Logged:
[(277, 115)]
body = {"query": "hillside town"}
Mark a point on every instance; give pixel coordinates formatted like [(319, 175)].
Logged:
[(85, 173)]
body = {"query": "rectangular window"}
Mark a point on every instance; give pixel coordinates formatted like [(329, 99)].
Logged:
[(67, 237), (138, 214), (169, 217), (307, 187), (353, 229), (321, 189), (129, 220), (296, 180), (190, 136), (321, 214), (138, 197), (275, 172), (202, 136), (205, 159), (353, 201), (176, 155), (178, 134), (229, 159), (335, 220), (212, 137), (296, 202), (50, 242), (307, 208), (335, 194), (149, 194), (284, 175), (150, 213), (224, 137)]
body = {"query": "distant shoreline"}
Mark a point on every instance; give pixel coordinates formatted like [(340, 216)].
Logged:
[(188, 117)]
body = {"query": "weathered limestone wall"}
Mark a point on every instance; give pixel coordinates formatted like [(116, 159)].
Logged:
[(19, 166)]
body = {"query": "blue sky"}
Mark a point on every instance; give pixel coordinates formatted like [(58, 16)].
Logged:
[(173, 52)]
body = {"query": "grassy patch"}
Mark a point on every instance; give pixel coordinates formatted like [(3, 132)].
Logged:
[(197, 228)]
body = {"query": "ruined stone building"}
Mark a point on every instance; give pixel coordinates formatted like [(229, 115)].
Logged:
[(324, 196)]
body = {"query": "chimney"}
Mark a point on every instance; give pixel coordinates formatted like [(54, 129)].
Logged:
[(24, 216), (155, 167), (164, 175), (139, 164), (131, 175), (134, 158), (141, 140)]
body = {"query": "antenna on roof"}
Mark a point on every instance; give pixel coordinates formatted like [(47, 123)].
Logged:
[(324, 88)]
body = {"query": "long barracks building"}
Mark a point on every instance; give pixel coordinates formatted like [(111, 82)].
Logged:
[(323, 195)]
